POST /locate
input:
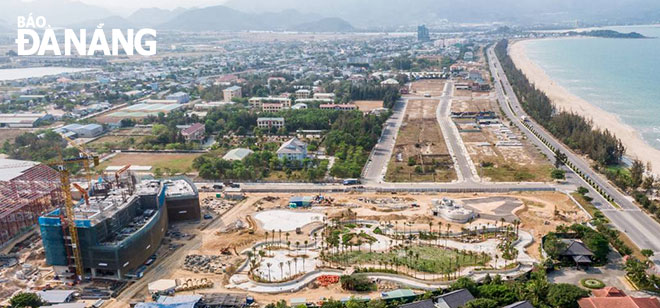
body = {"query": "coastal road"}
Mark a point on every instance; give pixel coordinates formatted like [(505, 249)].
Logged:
[(465, 170), (629, 219)]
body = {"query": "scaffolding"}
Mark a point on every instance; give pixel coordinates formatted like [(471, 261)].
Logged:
[(23, 198)]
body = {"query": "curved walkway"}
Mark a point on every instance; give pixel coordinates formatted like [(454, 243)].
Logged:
[(242, 281)]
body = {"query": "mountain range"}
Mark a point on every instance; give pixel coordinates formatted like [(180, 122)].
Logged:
[(76, 15), (336, 15)]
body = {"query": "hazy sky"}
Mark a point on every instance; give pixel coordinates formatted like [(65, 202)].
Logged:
[(128, 6)]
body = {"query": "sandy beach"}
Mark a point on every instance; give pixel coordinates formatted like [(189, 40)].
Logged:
[(636, 147)]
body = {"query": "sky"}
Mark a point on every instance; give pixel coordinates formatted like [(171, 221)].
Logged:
[(129, 6)]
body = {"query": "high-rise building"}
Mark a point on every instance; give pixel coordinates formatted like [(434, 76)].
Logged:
[(423, 34)]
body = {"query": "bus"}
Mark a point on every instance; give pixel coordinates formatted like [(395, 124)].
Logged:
[(351, 181)]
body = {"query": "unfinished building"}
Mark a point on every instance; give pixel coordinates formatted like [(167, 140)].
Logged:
[(118, 229), (27, 189), (182, 199), (119, 226)]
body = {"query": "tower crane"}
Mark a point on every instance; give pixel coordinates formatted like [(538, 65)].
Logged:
[(70, 218)]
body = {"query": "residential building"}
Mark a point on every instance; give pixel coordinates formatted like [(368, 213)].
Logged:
[(613, 297), (324, 95), (179, 97), (270, 122), (272, 107), (423, 33), (229, 93), (237, 154), (294, 149), (342, 107), (257, 102), (303, 93), (195, 132)]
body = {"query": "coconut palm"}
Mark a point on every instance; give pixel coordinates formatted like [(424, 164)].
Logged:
[(269, 265), (281, 270)]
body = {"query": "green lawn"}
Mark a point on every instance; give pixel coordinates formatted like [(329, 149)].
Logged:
[(429, 259)]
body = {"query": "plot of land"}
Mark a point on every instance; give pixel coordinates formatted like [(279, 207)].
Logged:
[(286, 220), (366, 106), (433, 87), (500, 153), (420, 153), (175, 162)]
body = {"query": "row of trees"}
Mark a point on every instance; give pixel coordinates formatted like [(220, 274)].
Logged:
[(574, 130)]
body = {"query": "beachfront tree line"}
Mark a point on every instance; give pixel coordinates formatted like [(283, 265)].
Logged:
[(573, 130)]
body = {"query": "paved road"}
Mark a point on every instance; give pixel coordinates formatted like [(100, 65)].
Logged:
[(374, 171), (465, 170), (642, 229)]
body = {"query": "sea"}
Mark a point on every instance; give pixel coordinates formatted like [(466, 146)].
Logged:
[(33, 72), (620, 76)]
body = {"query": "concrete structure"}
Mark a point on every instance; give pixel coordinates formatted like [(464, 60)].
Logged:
[(179, 97), (182, 200), (294, 149), (257, 102), (237, 154), (451, 210), (122, 226), (229, 93), (21, 120), (423, 34), (273, 107), (270, 123), (195, 132)]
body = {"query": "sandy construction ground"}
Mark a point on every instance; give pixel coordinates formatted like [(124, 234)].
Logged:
[(635, 146)]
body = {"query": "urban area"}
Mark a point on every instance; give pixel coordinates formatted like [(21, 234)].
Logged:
[(335, 170)]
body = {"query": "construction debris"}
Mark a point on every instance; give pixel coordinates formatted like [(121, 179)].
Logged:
[(204, 264)]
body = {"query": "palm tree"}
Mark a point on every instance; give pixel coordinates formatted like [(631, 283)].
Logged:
[(286, 236), (446, 239), (281, 270), (266, 238), (439, 232), (280, 236), (295, 260), (288, 263), (305, 248), (268, 265)]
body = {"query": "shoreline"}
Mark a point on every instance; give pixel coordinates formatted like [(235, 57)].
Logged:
[(635, 145)]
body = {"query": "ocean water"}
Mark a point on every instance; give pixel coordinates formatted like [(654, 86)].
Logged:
[(620, 76)]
